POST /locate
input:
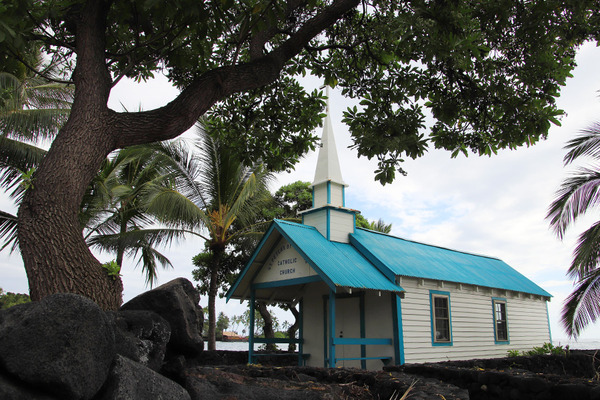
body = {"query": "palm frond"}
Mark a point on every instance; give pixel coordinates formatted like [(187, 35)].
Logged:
[(582, 307), (8, 231), (586, 255), (586, 144), (148, 261), (577, 194), (134, 238), (174, 209), (16, 158), (32, 124)]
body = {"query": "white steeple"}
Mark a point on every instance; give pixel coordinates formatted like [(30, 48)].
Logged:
[(329, 213), (328, 164)]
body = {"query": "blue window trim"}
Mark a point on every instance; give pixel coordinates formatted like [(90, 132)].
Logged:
[(328, 192), (501, 300), (432, 293), (343, 196)]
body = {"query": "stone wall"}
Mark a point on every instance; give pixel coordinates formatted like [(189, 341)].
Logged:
[(571, 376)]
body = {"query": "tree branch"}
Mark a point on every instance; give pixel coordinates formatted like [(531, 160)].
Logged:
[(179, 115)]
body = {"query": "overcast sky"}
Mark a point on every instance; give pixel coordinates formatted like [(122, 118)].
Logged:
[(492, 206)]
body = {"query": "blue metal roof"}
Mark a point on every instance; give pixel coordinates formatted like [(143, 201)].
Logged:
[(337, 264), (341, 263), (412, 259)]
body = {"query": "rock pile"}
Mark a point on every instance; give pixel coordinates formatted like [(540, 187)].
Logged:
[(66, 347)]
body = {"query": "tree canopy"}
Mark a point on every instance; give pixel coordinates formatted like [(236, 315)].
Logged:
[(487, 72)]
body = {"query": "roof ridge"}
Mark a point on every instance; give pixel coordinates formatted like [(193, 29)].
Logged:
[(432, 245), (282, 221)]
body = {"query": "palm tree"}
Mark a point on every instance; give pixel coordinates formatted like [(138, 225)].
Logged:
[(227, 199), (32, 109), (577, 195), (117, 212)]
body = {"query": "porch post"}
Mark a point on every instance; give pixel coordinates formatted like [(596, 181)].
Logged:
[(251, 333), (398, 331), (331, 329), (300, 331), (363, 348)]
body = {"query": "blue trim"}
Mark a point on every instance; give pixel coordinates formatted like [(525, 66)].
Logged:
[(363, 349), (398, 329), (328, 192), (373, 260), (249, 263), (328, 224), (287, 282), (251, 328), (500, 300), (363, 341), (548, 316), (432, 293), (331, 329), (343, 196), (325, 330), (340, 209), (301, 332), (276, 340)]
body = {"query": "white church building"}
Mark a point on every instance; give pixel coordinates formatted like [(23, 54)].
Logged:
[(367, 299)]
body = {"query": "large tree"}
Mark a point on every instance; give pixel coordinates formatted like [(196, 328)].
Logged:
[(489, 72)]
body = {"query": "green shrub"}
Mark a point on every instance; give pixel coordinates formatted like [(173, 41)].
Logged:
[(546, 348)]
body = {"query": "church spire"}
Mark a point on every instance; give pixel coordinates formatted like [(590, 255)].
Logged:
[(328, 164), (329, 213)]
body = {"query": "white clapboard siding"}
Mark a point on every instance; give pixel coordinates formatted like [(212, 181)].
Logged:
[(320, 195), (337, 198), (472, 322), (317, 219), (341, 225)]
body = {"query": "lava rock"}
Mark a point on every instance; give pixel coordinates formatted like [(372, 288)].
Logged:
[(177, 302), (142, 336), (11, 390), (130, 380), (64, 345)]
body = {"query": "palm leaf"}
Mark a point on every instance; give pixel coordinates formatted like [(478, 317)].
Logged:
[(582, 307), (587, 253), (16, 158), (577, 194), (8, 231), (586, 144), (134, 238)]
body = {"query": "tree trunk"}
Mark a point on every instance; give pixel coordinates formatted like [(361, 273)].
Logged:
[(212, 296), (292, 329), (55, 255), (268, 331)]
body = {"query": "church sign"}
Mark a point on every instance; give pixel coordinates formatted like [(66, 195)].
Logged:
[(284, 263)]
